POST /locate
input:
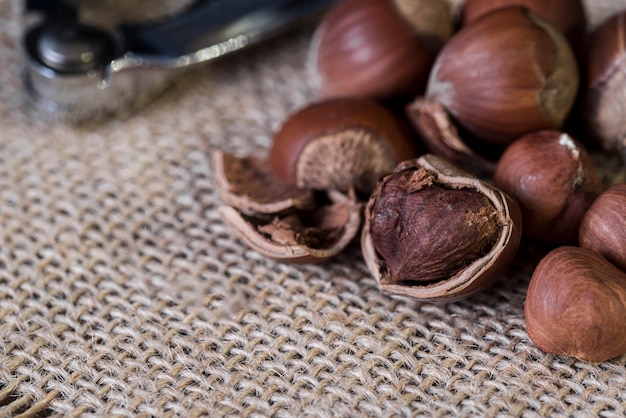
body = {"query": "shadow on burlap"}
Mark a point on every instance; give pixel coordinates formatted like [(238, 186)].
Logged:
[(123, 294)]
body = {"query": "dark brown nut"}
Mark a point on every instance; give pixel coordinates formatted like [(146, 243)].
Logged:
[(505, 74), (554, 180), (576, 304), (369, 48), (603, 228), (300, 236), (605, 94), (340, 144), (566, 15), (432, 232)]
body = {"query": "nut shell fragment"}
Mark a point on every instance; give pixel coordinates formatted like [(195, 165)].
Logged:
[(302, 236), (280, 220), (441, 136), (248, 184)]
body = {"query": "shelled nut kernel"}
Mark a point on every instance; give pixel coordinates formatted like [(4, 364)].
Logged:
[(576, 304), (436, 233), (554, 179), (603, 228)]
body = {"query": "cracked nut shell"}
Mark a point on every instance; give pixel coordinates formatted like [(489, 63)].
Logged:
[(279, 220), (432, 232), (301, 236)]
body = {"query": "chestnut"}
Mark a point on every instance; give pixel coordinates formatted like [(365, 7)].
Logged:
[(435, 233), (554, 179), (568, 16), (605, 88), (603, 228), (340, 144), (575, 305), (377, 48), (503, 75)]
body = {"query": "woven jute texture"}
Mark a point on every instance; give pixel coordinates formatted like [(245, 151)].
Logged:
[(122, 293)]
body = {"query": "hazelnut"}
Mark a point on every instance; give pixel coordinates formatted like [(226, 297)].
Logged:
[(605, 89), (279, 220), (340, 144), (371, 48), (433, 232), (554, 180), (603, 228), (576, 304), (503, 75), (568, 16)]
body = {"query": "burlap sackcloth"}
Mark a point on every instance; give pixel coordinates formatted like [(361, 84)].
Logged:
[(122, 293)]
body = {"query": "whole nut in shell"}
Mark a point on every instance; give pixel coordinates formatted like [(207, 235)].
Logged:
[(376, 49), (554, 179), (566, 15), (433, 232), (576, 304), (340, 144), (605, 87), (603, 228), (505, 74)]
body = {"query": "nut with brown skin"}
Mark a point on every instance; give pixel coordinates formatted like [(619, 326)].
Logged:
[(340, 144), (279, 220), (554, 180), (566, 15), (433, 232), (503, 75), (603, 228), (377, 48), (605, 88), (576, 304)]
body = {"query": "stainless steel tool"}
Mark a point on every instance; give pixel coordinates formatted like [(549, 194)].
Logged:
[(76, 71)]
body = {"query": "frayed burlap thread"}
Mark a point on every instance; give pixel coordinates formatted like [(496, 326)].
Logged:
[(122, 293)]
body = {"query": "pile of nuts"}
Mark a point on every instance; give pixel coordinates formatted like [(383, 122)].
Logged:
[(446, 144)]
